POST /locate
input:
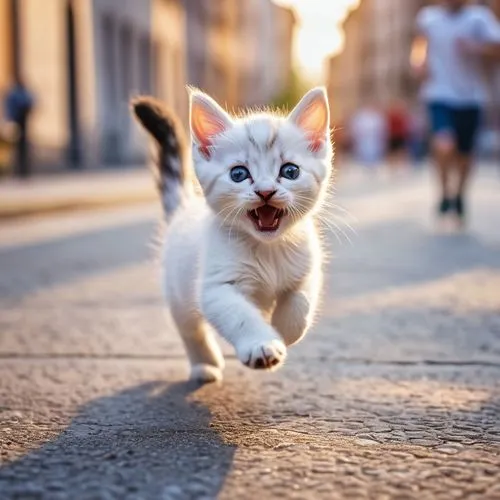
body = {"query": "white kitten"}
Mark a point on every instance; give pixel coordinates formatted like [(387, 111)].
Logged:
[(246, 258)]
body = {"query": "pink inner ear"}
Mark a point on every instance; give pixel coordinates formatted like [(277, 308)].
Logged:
[(205, 127), (313, 122)]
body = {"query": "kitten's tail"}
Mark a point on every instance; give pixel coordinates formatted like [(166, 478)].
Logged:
[(172, 165)]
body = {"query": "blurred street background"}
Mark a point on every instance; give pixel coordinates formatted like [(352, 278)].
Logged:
[(394, 394), (82, 60)]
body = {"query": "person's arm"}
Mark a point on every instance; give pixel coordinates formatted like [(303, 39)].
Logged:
[(418, 53), (487, 50), (418, 57), (487, 44), (490, 34), (491, 50)]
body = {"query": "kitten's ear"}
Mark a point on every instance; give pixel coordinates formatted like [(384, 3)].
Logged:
[(207, 120), (312, 115)]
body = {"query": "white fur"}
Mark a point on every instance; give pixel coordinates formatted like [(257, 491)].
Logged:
[(258, 290)]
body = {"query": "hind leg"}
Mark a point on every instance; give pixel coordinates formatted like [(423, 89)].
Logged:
[(203, 351)]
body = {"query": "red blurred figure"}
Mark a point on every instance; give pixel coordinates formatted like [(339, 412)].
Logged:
[(398, 126)]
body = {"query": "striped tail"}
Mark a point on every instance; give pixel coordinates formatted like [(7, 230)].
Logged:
[(172, 164)]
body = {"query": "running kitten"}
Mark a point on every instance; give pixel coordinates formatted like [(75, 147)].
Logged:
[(245, 259)]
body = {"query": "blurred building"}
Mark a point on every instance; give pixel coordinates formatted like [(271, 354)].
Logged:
[(375, 62), (239, 52), (343, 71), (6, 52), (212, 41), (83, 59), (266, 44)]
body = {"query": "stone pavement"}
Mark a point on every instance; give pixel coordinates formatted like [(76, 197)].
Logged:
[(394, 394), (75, 190)]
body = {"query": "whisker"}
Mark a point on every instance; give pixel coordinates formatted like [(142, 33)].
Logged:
[(231, 210), (231, 225), (336, 229)]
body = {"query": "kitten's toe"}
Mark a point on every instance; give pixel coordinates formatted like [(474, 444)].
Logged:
[(205, 374), (268, 355)]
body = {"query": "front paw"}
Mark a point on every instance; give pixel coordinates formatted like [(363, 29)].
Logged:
[(205, 374), (263, 355)]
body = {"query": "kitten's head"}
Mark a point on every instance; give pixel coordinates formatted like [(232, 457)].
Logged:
[(262, 173)]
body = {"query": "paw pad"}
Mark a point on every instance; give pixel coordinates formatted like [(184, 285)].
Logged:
[(264, 355)]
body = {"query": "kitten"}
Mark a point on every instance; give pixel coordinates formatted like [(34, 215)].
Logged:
[(244, 259)]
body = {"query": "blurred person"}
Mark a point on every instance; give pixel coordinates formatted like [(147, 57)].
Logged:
[(398, 132), (18, 104), (368, 131), (453, 38)]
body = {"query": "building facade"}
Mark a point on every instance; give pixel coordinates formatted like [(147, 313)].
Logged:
[(375, 62), (83, 60), (343, 71), (239, 52), (266, 41)]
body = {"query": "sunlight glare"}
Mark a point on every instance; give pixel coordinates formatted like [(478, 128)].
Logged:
[(319, 31)]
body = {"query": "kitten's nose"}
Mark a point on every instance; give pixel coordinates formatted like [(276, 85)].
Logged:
[(265, 195)]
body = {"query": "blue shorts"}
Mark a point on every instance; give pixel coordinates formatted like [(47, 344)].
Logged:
[(461, 122)]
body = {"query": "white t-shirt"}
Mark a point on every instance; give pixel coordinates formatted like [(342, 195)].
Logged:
[(455, 78)]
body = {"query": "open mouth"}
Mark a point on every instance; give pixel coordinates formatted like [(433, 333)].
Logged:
[(266, 218)]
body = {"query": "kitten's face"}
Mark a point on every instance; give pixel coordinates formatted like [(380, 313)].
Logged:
[(262, 174)]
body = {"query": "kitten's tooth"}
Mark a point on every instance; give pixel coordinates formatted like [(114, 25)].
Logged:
[(259, 223)]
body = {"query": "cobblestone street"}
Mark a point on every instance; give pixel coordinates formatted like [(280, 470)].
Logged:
[(394, 394)]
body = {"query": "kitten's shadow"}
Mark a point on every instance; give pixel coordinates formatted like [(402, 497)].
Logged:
[(150, 439)]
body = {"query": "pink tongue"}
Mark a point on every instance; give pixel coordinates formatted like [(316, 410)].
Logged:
[(267, 214)]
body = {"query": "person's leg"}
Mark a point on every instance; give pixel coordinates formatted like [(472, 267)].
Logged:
[(22, 159), (464, 168), (403, 151), (466, 122), (443, 150), (392, 153)]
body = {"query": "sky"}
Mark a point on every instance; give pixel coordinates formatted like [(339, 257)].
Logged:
[(319, 32)]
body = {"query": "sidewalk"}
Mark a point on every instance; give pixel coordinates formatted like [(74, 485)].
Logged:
[(393, 395), (121, 186), (76, 190)]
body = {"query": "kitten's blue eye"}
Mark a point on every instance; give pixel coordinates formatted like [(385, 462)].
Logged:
[(289, 171), (239, 173)]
